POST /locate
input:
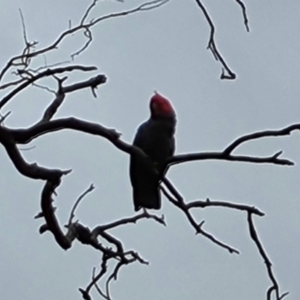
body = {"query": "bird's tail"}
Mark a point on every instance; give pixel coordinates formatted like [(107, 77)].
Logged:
[(148, 197)]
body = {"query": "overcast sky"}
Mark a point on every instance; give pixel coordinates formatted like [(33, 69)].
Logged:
[(162, 50)]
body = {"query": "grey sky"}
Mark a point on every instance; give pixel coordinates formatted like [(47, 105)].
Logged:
[(162, 50)]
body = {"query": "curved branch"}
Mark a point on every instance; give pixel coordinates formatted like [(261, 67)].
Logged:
[(244, 11), (212, 45), (46, 73), (92, 83), (179, 202), (95, 279), (261, 134), (29, 170), (24, 136), (123, 221), (209, 203), (226, 154), (263, 254), (72, 214), (65, 241), (82, 26), (62, 90), (181, 158)]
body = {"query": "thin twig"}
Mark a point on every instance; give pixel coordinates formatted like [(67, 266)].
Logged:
[(43, 87), (97, 287), (260, 134), (212, 203), (130, 220), (198, 227), (244, 11), (263, 254), (23, 27), (12, 83), (4, 117), (46, 73), (82, 26), (212, 45), (87, 191)]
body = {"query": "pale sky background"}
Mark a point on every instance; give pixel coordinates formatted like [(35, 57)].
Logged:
[(162, 50)]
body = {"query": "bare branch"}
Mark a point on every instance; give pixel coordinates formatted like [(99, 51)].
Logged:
[(87, 31), (87, 12), (275, 287), (27, 148), (123, 258), (226, 153), (182, 158), (29, 170), (24, 27), (209, 203), (24, 136), (125, 221), (113, 276), (47, 73), (25, 61), (57, 102), (261, 134), (92, 83), (87, 191), (51, 110), (60, 94), (26, 55), (96, 278), (65, 241), (198, 227), (4, 117), (43, 87), (12, 83), (244, 11), (212, 45), (150, 5), (88, 34), (48, 66)]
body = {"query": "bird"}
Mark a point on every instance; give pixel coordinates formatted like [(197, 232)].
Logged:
[(156, 138)]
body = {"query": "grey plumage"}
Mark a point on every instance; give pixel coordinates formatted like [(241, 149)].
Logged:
[(156, 138)]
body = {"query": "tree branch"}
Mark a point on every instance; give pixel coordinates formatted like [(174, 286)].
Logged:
[(212, 45), (87, 191), (210, 203), (64, 241), (125, 221), (182, 158), (46, 73), (29, 170), (179, 202), (244, 11), (85, 26), (226, 154), (275, 287), (260, 134)]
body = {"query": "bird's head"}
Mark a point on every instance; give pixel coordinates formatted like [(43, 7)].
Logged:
[(161, 107)]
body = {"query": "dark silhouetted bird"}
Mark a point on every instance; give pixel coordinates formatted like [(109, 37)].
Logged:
[(156, 138)]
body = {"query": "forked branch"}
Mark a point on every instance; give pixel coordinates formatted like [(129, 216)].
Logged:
[(85, 25), (179, 202), (46, 73), (212, 43), (274, 288)]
